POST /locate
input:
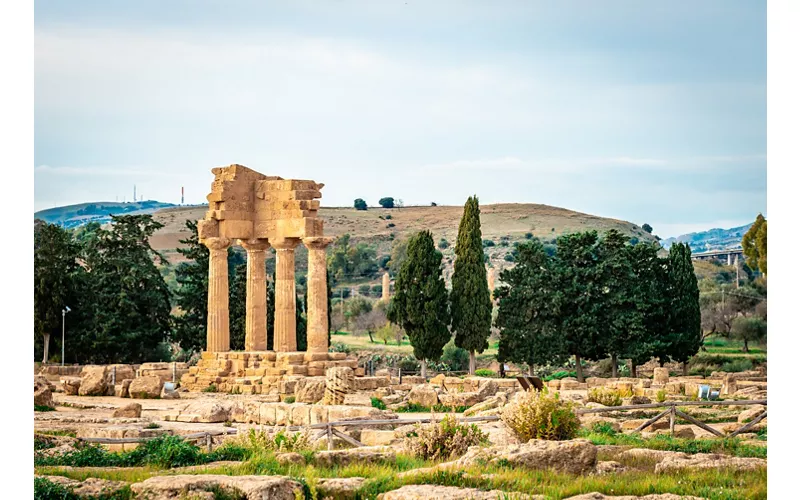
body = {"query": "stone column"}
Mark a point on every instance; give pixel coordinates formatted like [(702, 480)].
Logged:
[(317, 283), (385, 288), (255, 338), (217, 333), (285, 296)]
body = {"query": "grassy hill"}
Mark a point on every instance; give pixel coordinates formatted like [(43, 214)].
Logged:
[(100, 211)]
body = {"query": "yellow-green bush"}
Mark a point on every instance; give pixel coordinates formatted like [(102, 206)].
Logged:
[(541, 415), (447, 439), (605, 396)]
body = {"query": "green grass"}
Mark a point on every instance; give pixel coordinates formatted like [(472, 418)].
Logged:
[(43, 408), (44, 489), (728, 446), (418, 408), (378, 403)]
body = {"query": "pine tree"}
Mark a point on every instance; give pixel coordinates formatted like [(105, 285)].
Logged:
[(685, 334), (470, 301), (528, 312), (54, 266), (191, 295), (419, 304)]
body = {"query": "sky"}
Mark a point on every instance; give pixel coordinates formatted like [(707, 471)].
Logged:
[(644, 111)]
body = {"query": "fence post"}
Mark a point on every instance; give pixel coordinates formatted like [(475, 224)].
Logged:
[(114, 375), (672, 421), (330, 437), (208, 441), (173, 373)]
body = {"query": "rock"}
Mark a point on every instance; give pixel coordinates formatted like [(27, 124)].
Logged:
[(121, 389), (729, 385), (132, 410), (577, 456), (428, 491), (339, 381), (493, 402), (89, 487), (662, 496), (609, 467), (372, 437), (487, 389), (630, 425), (42, 394), (206, 411), (339, 487), (181, 486), (424, 395), (498, 434), (366, 454), (640, 400), (144, 388), (650, 454), (93, 381), (751, 413), (357, 399), (457, 399), (310, 390), (382, 373), (708, 461), (290, 458), (660, 375), (71, 385)]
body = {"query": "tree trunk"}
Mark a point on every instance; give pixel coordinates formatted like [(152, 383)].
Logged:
[(530, 370), (633, 369), (472, 362), (46, 347), (502, 370), (685, 368), (614, 372), (745, 346), (578, 368), (424, 369), (661, 362), (370, 337)]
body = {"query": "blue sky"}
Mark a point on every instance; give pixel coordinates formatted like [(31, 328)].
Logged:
[(644, 111)]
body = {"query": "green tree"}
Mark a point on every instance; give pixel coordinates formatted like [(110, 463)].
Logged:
[(754, 245), (271, 312), (237, 307), (419, 304), (129, 300), (54, 266), (360, 204), (387, 202), (580, 297), (470, 301), (346, 260), (685, 334), (647, 228), (191, 295), (399, 253), (528, 313), (300, 318), (752, 329)]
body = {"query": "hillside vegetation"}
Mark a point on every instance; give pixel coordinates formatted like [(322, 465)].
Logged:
[(77, 215)]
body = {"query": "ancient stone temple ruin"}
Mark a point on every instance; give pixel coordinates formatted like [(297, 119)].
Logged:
[(258, 212)]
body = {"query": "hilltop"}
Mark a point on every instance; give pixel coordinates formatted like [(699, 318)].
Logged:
[(712, 239), (99, 211)]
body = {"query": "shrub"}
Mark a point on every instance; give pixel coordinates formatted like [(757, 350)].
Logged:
[(289, 399), (485, 372), (508, 257), (445, 440), (210, 388), (488, 243), (359, 204), (528, 236), (387, 216), (456, 358), (661, 396), (152, 425), (378, 403), (443, 244), (604, 428), (408, 363), (390, 225), (256, 441), (605, 396), (387, 202), (738, 365), (43, 408), (541, 415), (559, 375), (44, 489), (339, 347)]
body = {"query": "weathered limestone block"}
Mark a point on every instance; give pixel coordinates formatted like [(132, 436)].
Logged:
[(42, 395), (121, 388), (339, 381), (459, 399), (205, 411), (90, 487), (577, 456), (144, 388), (674, 388), (365, 454), (708, 461), (486, 389), (358, 399), (372, 437), (424, 395), (660, 375), (729, 385), (93, 381), (428, 492), (131, 410), (344, 488), (201, 486), (71, 385), (750, 413)]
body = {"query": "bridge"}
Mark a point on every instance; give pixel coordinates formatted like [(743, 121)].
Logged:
[(731, 255)]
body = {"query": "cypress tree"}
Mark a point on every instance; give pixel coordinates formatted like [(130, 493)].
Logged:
[(420, 304), (237, 306), (470, 301), (192, 293), (685, 334)]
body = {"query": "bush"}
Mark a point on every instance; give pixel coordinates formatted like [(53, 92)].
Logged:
[(359, 204), (390, 225), (387, 216), (528, 236), (256, 441), (605, 396), (445, 440), (488, 243), (378, 403), (541, 415), (44, 489), (738, 365), (339, 347), (363, 289), (408, 363), (559, 375), (289, 400), (443, 244), (210, 388), (508, 257), (43, 408), (456, 358), (387, 202), (661, 396), (485, 372)]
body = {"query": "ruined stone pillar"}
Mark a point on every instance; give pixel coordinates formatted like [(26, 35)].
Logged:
[(385, 288), (217, 332), (255, 338), (490, 281), (317, 283), (285, 296)]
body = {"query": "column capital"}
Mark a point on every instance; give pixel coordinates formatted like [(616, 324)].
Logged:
[(216, 243), (317, 242), (255, 245), (284, 243)]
